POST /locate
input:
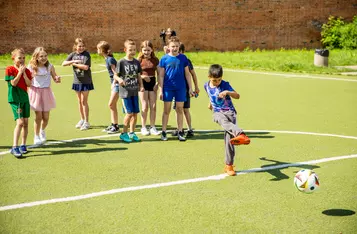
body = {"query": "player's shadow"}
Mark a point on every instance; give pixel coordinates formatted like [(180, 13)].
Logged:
[(275, 168), (75, 147), (208, 135), (338, 212)]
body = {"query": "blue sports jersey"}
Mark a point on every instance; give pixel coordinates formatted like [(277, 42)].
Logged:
[(108, 62), (174, 66), (220, 104)]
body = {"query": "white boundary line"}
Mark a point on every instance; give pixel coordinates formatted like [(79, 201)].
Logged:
[(195, 180), (202, 131), (166, 184), (285, 75)]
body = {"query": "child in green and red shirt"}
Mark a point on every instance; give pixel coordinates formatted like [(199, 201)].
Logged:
[(18, 78)]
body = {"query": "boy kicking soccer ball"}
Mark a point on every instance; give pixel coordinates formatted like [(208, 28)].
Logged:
[(220, 94)]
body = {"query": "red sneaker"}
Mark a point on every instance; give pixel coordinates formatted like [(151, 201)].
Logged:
[(229, 170), (241, 139)]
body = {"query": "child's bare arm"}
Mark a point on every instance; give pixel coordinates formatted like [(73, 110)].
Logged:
[(70, 62), (232, 94), (119, 80), (80, 66), (210, 105), (54, 75), (195, 81), (161, 72), (188, 79), (27, 80), (141, 86)]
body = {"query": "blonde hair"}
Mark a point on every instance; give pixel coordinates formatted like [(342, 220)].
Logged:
[(173, 39), (105, 48), (129, 42), (143, 45), (76, 42), (34, 59), (17, 51)]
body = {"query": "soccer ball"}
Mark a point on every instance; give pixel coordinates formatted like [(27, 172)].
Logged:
[(306, 181)]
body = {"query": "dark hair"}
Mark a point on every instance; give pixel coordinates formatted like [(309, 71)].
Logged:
[(105, 48), (182, 48), (215, 71), (173, 39)]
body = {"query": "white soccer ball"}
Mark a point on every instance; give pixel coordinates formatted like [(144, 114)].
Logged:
[(306, 181)]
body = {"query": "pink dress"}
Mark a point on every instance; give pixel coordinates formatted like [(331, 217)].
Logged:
[(40, 93)]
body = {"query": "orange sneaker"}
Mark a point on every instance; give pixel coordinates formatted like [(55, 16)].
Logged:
[(229, 170), (241, 139)]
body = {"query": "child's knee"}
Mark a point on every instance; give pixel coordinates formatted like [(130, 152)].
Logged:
[(112, 106), (179, 109)]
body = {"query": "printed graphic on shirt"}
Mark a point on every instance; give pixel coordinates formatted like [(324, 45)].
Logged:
[(129, 71), (218, 103)]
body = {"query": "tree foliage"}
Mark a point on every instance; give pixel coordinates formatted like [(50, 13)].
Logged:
[(337, 33)]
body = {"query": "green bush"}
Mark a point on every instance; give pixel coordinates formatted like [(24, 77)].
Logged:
[(338, 34)]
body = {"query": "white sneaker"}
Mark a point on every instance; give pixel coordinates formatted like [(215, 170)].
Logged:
[(155, 132), (37, 140), (80, 123), (85, 126), (145, 132), (43, 136)]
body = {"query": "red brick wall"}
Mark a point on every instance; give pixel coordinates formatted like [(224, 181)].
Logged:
[(201, 24)]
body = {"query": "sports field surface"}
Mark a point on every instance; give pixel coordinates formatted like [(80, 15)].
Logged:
[(91, 182)]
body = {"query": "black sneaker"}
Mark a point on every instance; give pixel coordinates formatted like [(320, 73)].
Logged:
[(113, 130), (189, 133), (108, 128), (174, 132), (181, 136), (163, 136)]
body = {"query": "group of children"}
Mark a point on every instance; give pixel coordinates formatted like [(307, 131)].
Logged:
[(130, 79)]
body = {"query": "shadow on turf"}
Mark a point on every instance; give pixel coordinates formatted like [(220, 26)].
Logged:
[(277, 173), (214, 135), (71, 151), (338, 212)]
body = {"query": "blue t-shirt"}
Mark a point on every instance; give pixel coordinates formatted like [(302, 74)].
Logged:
[(220, 104), (108, 62), (174, 66)]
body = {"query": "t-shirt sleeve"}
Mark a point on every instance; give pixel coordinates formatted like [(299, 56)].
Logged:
[(69, 57), (9, 74), (88, 61), (228, 87), (139, 67), (28, 73), (190, 66), (117, 69), (162, 63), (156, 62), (185, 61), (205, 87), (112, 61)]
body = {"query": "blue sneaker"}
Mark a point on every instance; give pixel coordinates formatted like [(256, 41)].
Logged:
[(134, 137), (23, 149), (16, 152), (125, 137)]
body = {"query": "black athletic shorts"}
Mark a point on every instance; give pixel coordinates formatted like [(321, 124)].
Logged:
[(149, 86)]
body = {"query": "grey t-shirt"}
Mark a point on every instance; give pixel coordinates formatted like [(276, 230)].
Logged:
[(128, 71), (81, 76)]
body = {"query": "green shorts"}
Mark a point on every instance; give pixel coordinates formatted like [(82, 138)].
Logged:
[(20, 110)]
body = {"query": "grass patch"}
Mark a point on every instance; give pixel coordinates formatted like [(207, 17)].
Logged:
[(298, 61)]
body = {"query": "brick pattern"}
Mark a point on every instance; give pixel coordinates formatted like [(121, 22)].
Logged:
[(219, 25)]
